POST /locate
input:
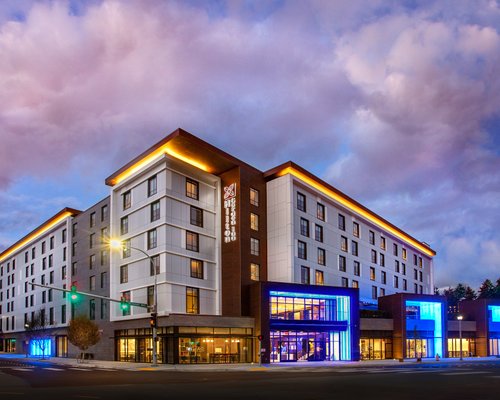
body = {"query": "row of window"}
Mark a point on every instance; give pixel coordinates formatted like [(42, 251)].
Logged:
[(320, 214), (104, 215)]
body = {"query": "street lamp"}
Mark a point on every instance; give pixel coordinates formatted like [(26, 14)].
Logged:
[(118, 244), (460, 318)]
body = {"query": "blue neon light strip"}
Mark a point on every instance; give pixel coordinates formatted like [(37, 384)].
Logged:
[(431, 311), (495, 313)]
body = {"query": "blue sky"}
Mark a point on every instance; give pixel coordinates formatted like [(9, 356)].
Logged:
[(395, 103)]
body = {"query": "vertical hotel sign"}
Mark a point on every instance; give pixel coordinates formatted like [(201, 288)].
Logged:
[(230, 213)]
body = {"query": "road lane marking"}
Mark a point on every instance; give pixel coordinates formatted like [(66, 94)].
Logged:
[(54, 369), (465, 373), (79, 369), (23, 369)]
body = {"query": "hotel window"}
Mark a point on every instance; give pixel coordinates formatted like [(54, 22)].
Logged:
[(355, 229), (403, 268), (196, 268), (420, 262), (342, 263), (154, 265), (404, 254), (374, 292), (354, 248), (372, 273), (383, 277), (104, 307), (155, 211), (341, 222), (74, 228), (382, 243), (73, 268), (43, 247), (318, 233), (73, 249), (304, 227), (92, 261), (124, 225), (25, 259), (51, 316), (321, 256), (126, 297), (395, 249), (254, 272), (254, 246), (344, 282), (51, 278), (192, 300), (302, 250), (305, 275), (374, 256), (104, 213), (124, 274), (92, 240), (415, 274), (152, 186), (51, 245), (405, 284), (396, 282), (372, 237), (192, 189), (414, 259), (396, 266), (301, 202), (64, 253), (63, 314), (343, 243), (63, 237), (254, 197), (355, 284), (420, 276), (320, 211), (44, 264), (51, 260), (421, 289), (92, 282), (382, 260), (254, 221), (415, 288), (319, 278), (357, 268), (33, 253), (150, 295), (382, 292), (127, 199), (92, 219), (63, 272), (104, 235), (104, 257), (104, 279), (192, 241), (152, 239), (126, 248)]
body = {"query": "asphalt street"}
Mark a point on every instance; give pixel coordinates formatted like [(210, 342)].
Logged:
[(20, 378)]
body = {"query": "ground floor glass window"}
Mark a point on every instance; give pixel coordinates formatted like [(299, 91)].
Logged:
[(468, 347), (375, 349), (494, 345)]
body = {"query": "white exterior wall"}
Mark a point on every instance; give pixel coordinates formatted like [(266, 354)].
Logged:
[(284, 233), (17, 292), (171, 228)]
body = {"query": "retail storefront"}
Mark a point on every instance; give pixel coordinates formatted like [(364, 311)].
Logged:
[(308, 323), (494, 330), (375, 348), (187, 345)]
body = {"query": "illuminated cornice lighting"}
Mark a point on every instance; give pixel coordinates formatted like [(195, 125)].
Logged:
[(356, 208), (155, 155), (51, 223)]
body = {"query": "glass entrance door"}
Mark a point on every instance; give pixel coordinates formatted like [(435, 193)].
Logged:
[(417, 348), (300, 346)]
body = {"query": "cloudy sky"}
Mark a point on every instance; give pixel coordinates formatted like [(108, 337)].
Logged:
[(395, 103)]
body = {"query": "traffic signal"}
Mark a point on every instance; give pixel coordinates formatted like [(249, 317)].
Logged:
[(260, 337), (74, 294), (124, 304), (153, 320)]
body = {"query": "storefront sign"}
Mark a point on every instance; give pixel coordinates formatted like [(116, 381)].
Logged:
[(230, 213)]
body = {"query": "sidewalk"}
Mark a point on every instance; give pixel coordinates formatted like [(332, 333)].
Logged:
[(72, 362)]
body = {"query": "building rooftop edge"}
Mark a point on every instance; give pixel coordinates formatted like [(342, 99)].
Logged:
[(38, 231)]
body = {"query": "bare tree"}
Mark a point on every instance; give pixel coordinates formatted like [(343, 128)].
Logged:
[(38, 331)]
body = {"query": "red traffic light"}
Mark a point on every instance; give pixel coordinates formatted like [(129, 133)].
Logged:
[(260, 337), (153, 320)]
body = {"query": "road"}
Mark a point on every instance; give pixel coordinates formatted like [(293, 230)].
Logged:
[(470, 380)]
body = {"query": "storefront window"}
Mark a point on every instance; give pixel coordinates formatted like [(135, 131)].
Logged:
[(375, 349), (214, 349)]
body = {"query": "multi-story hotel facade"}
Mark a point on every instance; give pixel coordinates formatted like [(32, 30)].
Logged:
[(238, 263)]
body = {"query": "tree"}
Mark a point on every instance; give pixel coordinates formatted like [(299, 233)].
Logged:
[(486, 290), (83, 333), (497, 289), (470, 294), (38, 331)]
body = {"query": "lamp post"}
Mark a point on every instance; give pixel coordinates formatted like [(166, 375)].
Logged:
[(117, 244), (460, 318)]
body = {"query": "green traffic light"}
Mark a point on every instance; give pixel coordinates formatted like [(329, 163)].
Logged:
[(124, 305), (74, 294)]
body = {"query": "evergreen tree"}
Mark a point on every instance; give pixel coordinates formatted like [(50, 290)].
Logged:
[(470, 294), (486, 290)]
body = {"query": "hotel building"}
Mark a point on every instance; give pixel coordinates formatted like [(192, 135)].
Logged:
[(235, 259)]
